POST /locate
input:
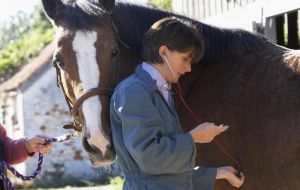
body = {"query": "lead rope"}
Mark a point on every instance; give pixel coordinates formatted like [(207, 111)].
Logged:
[(178, 90), (8, 183)]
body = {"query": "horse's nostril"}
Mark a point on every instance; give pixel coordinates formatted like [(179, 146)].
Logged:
[(89, 147), (96, 155), (86, 144), (95, 149), (87, 135)]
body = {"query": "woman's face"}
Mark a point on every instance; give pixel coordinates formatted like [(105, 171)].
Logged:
[(176, 64)]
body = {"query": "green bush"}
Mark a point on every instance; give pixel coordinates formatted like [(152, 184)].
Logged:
[(117, 183), (164, 4), (18, 51), (23, 49)]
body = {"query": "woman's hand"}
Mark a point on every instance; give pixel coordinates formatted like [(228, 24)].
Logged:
[(38, 144), (230, 174), (206, 132)]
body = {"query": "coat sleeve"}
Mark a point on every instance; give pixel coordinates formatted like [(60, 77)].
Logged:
[(154, 152), (14, 150), (204, 178)]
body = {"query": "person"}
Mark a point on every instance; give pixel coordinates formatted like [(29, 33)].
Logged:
[(17, 151), (152, 150)]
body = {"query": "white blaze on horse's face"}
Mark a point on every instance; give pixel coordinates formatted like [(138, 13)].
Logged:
[(89, 74)]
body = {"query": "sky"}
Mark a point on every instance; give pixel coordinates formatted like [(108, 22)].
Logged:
[(10, 8)]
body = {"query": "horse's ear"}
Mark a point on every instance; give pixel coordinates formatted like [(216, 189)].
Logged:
[(107, 5), (53, 8)]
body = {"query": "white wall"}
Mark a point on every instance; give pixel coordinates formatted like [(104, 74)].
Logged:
[(242, 17), (45, 111)]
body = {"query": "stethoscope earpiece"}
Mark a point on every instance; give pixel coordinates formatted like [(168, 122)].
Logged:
[(176, 79)]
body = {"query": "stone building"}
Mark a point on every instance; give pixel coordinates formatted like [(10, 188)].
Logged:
[(30, 104), (276, 19)]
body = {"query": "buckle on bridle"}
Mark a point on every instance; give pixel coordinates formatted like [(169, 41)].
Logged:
[(75, 125)]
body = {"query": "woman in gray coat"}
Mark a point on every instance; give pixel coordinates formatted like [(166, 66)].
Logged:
[(152, 149)]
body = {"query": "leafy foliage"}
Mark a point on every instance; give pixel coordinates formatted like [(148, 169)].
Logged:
[(164, 4), (22, 39), (14, 27), (117, 183)]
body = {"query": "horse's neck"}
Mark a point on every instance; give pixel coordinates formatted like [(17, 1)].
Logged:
[(133, 21), (128, 61)]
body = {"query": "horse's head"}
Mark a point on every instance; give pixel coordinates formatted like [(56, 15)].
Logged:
[(86, 59)]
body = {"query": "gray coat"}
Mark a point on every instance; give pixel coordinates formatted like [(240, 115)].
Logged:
[(152, 149)]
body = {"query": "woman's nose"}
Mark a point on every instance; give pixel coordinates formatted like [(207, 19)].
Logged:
[(188, 68)]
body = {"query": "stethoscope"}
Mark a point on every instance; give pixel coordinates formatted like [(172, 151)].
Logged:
[(179, 91)]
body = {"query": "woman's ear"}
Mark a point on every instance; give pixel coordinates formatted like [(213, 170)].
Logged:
[(163, 51)]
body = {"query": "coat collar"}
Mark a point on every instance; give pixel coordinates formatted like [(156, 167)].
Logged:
[(151, 85), (146, 78)]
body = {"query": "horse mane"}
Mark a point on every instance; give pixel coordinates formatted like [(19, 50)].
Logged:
[(81, 15), (132, 21), (221, 42), (292, 59)]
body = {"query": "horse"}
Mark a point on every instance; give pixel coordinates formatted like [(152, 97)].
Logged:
[(243, 80)]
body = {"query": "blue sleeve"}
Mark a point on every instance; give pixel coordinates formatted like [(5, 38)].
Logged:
[(154, 152), (204, 178)]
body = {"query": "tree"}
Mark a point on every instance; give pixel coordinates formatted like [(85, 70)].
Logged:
[(13, 28), (22, 39), (164, 4)]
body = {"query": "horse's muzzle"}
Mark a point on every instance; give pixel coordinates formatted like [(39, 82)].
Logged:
[(97, 157)]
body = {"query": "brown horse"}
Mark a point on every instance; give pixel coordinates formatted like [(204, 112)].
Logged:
[(243, 80)]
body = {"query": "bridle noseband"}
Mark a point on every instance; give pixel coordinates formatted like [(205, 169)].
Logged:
[(87, 94)]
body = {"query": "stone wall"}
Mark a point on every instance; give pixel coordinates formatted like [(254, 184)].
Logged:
[(44, 112)]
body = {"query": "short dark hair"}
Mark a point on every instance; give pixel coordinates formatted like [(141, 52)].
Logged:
[(177, 34)]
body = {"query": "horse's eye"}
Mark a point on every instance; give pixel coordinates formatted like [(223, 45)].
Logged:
[(58, 63), (57, 60), (114, 52)]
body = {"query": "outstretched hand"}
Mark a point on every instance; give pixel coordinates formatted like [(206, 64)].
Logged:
[(38, 144)]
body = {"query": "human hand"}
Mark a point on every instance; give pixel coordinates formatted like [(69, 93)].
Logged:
[(230, 174), (38, 144), (206, 132)]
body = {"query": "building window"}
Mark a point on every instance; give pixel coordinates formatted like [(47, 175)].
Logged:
[(292, 28), (287, 30)]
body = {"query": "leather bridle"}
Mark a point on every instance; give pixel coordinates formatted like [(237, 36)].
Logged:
[(74, 106), (99, 91)]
